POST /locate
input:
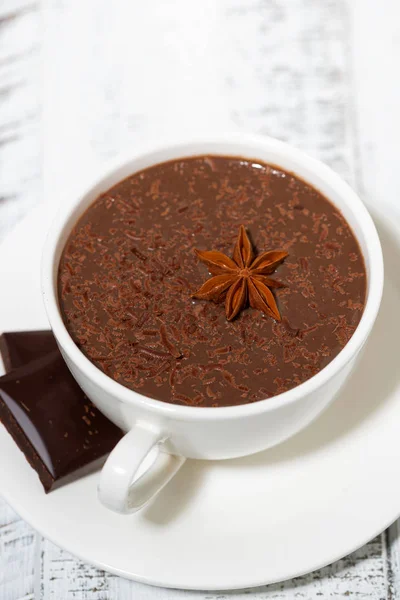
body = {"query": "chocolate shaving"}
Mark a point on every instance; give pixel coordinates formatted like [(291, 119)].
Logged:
[(167, 343)]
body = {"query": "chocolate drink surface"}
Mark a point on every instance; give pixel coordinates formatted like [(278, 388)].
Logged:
[(129, 271)]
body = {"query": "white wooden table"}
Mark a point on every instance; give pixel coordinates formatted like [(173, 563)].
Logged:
[(82, 81)]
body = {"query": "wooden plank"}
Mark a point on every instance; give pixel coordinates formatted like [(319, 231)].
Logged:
[(258, 66), (20, 161), (376, 94), (17, 551), (360, 575), (287, 74), (19, 191), (393, 561), (63, 576)]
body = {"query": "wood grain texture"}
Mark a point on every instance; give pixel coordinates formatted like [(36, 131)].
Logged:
[(20, 176), (20, 162), (17, 552), (360, 575), (163, 70), (119, 74), (63, 576)]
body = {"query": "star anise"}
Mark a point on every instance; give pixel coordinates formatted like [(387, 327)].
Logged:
[(242, 278)]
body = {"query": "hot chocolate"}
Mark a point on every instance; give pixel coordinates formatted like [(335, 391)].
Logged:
[(211, 281)]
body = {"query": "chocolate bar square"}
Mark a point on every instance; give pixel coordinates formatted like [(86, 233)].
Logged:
[(17, 348), (62, 434)]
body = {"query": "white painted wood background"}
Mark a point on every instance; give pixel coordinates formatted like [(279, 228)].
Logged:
[(81, 81)]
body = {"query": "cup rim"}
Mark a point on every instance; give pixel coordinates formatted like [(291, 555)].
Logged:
[(186, 413)]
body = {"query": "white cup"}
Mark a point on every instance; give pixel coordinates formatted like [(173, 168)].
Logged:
[(160, 436)]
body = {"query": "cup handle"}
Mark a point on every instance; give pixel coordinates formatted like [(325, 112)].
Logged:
[(119, 488)]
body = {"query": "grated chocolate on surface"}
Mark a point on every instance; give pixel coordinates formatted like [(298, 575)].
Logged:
[(128, 271)]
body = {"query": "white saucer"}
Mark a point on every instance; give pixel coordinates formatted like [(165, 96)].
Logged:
[(240, 523)]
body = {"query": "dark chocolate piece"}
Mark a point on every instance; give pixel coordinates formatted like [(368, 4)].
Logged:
[(17, 348), (129, 269), (62, 434)]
